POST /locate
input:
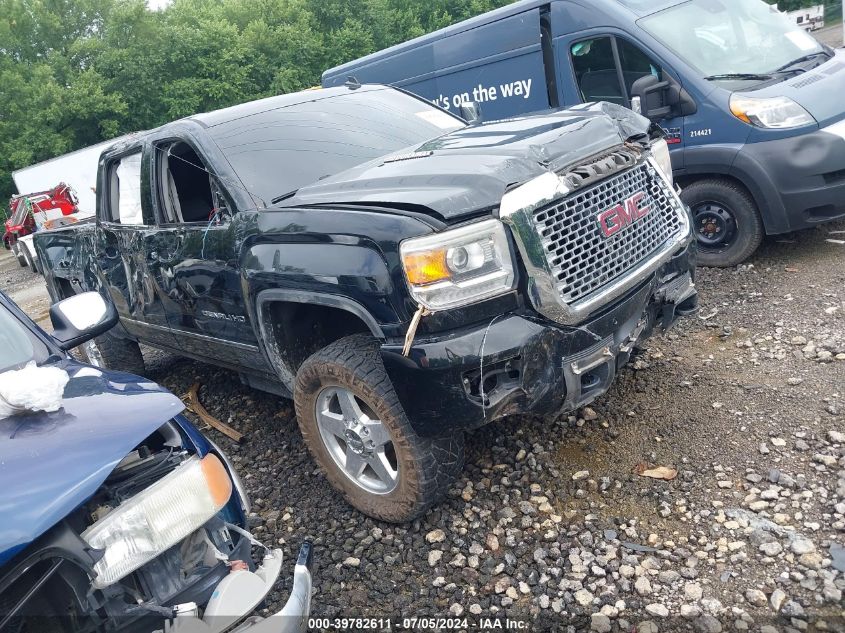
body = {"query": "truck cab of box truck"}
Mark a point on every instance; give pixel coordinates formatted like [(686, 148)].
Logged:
[(750, 102)]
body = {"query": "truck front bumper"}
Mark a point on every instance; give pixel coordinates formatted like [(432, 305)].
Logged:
[(523, 363)]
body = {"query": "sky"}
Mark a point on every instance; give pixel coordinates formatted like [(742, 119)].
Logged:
[(157, 4)]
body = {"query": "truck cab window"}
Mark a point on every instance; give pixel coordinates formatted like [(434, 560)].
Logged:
[(125, 190), (185, 185), (598, 75)]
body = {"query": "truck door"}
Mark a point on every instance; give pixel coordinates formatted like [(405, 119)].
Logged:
[(197, 257), (125, 222), (599, 66)]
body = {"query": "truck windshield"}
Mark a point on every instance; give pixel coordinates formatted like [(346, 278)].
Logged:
[(733, 40), (277, 151)]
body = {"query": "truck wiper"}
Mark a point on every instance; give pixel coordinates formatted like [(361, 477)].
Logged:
[(799, 60), (749, 76)]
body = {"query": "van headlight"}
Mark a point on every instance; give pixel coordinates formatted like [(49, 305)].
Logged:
[(157, 518), (769, 112), (660, 153), (458, 267)]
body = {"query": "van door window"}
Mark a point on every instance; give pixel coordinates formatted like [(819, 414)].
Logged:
[(600, 77), (595, 71), (125, 190)]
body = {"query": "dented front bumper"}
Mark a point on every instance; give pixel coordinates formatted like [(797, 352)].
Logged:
[(524, 363), (240, 592)]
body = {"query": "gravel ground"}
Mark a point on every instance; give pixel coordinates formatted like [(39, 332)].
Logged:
[(551, 524)]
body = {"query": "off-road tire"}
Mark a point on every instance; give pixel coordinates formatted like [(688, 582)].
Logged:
[(118, 354), (427, 466), (749, 225)]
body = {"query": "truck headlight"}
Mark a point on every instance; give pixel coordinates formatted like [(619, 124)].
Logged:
[(457, 267), (660, 153), (770, 112), (157, 518)]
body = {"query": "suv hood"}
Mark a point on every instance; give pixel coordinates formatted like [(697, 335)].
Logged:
[(469, 170), (50, 463)]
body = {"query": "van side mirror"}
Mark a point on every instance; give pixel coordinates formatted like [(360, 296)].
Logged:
[(80, 318), (471, 112), (661, 99)]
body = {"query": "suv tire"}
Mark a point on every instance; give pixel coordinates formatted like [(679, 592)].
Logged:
[(419, 469), (110, 352), (728, 206)]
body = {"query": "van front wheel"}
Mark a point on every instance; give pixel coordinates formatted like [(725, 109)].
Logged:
[(726, 222)]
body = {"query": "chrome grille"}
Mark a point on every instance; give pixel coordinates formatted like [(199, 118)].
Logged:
[(582, 260)]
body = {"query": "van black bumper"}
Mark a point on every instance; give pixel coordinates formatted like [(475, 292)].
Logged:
[(524, 363), (801, 179)]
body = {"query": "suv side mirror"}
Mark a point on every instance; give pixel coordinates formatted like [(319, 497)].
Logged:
[(660, 99), (471, 112), (80, 318)]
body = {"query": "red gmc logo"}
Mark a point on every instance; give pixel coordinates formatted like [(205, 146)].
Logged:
[(617, 218)]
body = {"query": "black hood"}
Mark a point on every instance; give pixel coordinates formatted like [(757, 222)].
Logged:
[(469, 170)]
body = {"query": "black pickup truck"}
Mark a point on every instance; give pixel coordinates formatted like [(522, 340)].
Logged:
[(404, 276)]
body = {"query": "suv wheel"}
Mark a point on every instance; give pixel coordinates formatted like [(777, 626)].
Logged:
[(110, 352), (725, 220), (358, 433)]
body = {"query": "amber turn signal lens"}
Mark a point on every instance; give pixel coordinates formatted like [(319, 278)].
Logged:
[(426, 267), (219, 483)]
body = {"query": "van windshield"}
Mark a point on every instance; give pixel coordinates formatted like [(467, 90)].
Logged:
[(734, 40), (277, 151)]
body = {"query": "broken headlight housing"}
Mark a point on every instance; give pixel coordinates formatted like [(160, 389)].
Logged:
[(460, 266), (660, 153), (158, 518)]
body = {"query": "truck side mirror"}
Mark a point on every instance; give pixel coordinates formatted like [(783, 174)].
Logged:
[(80, 318), (471, 112), (660, 99)]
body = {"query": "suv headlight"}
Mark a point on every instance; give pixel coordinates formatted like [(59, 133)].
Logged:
[(457, 267), (660, 153), (157, 518), (771, 112)]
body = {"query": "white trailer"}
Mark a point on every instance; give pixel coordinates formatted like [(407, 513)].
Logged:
[(808, 18), (77, 169)]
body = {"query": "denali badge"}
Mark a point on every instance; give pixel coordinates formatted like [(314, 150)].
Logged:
[(615, 219)]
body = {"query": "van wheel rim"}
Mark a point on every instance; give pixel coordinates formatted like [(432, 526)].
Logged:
[(357, 441), (715, 225), (95, 357)]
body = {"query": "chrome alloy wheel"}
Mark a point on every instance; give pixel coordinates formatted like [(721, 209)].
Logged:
[(95, 357), (356, 439)]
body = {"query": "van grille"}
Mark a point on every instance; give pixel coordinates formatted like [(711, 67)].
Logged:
[(582, 260)]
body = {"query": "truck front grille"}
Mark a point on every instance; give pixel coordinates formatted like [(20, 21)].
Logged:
[(581, 258)]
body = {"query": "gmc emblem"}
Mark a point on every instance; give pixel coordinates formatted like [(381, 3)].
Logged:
[(617, 218)]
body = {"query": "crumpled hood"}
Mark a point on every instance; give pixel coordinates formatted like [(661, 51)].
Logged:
[(469, 170), (50, 463)]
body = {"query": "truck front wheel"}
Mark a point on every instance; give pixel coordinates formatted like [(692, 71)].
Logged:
[(355, 427), (110, 352), (726, 221), (21, 257)]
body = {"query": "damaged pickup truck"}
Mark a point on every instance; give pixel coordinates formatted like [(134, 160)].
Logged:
[(116, 514), (402, 275)]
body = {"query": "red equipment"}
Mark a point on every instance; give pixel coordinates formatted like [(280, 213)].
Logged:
[(58, 201)]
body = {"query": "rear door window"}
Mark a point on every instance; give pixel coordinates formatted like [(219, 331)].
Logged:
[(125, 190)]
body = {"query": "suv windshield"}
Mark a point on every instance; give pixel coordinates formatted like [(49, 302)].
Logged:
[(732, 39), (277, 151), (16, 342)]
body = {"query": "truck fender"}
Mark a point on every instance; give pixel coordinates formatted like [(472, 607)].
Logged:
[(730, 161), (279, 360)]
